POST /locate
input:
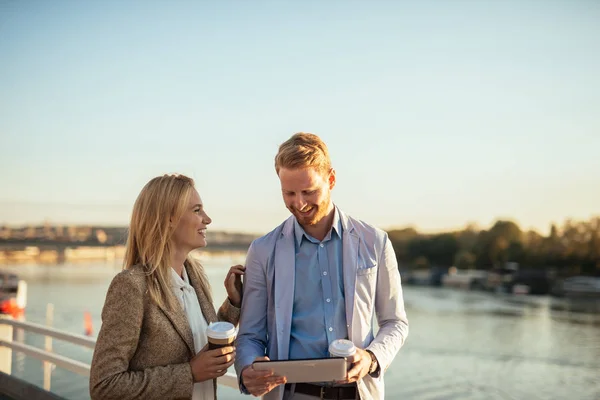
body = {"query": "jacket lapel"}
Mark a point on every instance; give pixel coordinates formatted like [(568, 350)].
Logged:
[(205, 305), (284, 277), (350, 242), (181, 325)]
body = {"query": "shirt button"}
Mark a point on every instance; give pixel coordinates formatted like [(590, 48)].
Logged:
[(330, 329), (328, 300), (325, 273), (322, 245)]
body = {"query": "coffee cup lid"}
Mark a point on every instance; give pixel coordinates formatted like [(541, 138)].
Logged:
[(221, 330), (342, 347)]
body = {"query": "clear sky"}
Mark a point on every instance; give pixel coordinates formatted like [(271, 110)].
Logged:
[(436, 113)]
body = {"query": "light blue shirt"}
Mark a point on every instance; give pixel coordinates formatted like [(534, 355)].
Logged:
[(319, 312)]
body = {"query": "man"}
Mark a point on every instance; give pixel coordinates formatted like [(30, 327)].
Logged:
[(320, 276)]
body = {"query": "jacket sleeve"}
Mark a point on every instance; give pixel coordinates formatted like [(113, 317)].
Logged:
[(252, 337), (110, 376), (228, 312), (389, 310)]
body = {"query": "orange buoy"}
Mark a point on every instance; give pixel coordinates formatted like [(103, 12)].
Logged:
[(11, 307), (87, 323)]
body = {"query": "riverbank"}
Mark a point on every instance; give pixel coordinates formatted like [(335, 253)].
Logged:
[(41, 255), (86, 270), (86, 254)]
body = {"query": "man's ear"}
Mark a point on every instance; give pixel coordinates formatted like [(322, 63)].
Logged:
[(331, 178)]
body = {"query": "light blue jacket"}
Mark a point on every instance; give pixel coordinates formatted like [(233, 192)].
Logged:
[(372, 288)]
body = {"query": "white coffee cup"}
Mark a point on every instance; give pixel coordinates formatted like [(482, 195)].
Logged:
[(220, 334), (342, 348)]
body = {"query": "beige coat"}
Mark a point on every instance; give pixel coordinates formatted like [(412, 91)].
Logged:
[(143, 350)]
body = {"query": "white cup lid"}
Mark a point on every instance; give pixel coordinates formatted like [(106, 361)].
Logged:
[(221, 330), (342, 348)]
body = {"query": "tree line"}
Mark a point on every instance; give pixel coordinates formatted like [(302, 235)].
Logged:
[(571, 249)]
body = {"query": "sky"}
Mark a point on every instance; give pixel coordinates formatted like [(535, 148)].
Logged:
[(436, 114)]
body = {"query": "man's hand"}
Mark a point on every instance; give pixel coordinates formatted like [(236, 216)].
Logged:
[(259, 383), (361, 361)]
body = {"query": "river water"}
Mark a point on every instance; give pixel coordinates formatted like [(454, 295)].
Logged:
[(462, 345)]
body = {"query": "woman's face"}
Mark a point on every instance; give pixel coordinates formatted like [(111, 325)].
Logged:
[(190, 232)]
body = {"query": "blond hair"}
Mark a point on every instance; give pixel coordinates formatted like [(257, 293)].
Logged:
[(303, 150), (157, 210)]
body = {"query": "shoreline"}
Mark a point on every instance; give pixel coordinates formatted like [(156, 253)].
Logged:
[(33, 255)]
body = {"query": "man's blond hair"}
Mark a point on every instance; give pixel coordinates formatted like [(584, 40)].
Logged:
[(303, 150)]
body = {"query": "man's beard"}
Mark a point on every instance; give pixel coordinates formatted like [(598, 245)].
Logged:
[(317, 214)]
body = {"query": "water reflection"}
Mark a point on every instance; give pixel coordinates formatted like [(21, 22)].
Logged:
[(436, 300), (480, 345)]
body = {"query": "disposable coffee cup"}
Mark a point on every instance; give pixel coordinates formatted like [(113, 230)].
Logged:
[(220, 334), (342, 348)]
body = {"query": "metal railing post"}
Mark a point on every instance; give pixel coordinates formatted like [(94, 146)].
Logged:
[(48, 365), (6, 335)]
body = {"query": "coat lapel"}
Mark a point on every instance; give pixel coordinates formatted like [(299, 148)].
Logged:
[(177, 316), (350, 242), (181, 324), (205, 305), (284, 277)]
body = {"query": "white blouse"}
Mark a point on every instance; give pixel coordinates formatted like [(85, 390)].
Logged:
[(188, 299)]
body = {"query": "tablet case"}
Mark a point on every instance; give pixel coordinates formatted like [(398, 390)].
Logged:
[(307, 370)]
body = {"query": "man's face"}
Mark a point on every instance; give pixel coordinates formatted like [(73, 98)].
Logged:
[(307, 193)]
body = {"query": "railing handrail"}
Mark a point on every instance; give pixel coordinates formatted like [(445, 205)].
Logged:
[(81, 368), (53, 332), (78, 367)]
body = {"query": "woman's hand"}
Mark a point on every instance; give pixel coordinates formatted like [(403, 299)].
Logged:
[(233, 285), (211, 364)]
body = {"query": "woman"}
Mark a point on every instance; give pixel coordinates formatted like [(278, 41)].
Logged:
[(152, 344)]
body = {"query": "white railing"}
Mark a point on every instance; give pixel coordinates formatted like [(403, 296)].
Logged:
[(48, 357), (52, 332)]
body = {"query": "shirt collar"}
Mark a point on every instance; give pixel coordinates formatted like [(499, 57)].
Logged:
[(177, 282)]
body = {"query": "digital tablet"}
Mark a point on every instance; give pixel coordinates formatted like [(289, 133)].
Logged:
[(307, 370)]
